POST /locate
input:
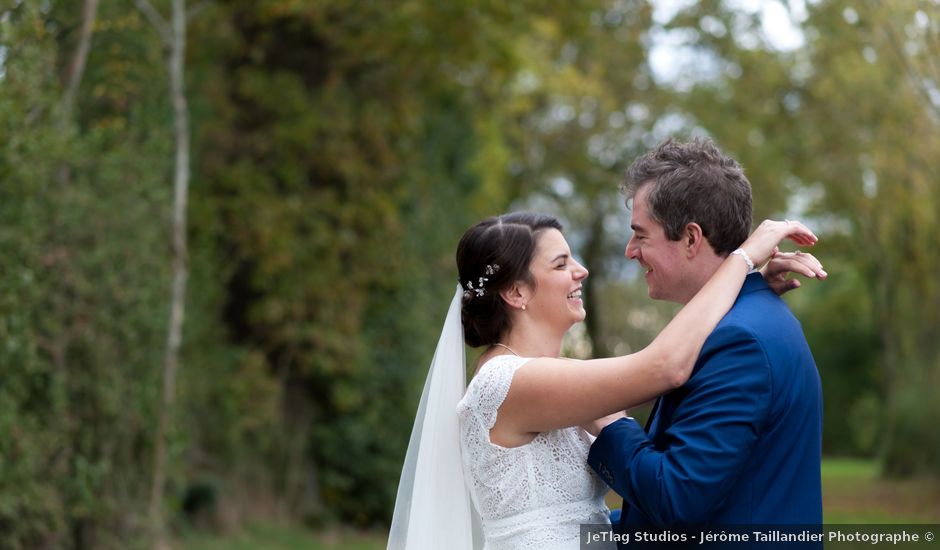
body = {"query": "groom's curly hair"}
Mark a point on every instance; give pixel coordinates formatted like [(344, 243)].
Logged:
[(694, 182), (504, 244)]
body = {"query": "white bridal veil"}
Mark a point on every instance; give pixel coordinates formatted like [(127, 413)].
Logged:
[(433, 508)]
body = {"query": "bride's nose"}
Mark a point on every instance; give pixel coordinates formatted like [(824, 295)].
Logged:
[(580, 272)]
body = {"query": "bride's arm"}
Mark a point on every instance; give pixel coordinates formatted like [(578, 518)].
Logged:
[(775, 273), (549, 393)]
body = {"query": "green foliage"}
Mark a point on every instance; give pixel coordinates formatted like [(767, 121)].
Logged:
[(913, 442), (841, 131), (339, 212), (877, 164), (83, 293), (340, 149)]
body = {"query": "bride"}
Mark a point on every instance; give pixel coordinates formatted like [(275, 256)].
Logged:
[(508, 470)]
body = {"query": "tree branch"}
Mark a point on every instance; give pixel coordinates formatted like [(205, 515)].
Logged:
[(195, 10), (76, 67), (156, 20), (893, 36)]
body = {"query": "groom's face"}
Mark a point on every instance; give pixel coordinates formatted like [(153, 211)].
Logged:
[(664, 260)]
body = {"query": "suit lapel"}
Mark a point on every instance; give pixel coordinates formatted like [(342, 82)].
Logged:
[(649, 421), (753, 283)]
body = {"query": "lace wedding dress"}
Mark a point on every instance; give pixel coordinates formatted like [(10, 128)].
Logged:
[(531, 497)]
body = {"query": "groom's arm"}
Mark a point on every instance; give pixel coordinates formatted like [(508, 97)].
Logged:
[(702, 452)]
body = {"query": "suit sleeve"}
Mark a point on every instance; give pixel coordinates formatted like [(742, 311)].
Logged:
[(688, 474)]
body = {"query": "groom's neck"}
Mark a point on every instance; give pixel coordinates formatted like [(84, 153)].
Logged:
[(700, 271)]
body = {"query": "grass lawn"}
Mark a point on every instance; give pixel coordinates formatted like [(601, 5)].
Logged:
[(268, 536), (852, 494)]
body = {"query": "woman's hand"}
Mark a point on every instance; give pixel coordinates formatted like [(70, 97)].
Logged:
[(594, 427), (784, 263), (762, 244)]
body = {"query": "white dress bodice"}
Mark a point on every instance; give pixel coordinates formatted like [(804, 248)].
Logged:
[(531, 497)]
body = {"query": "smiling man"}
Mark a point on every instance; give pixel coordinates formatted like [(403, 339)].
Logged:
[(740, 442)]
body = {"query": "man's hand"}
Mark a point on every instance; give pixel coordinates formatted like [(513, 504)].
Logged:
[(595, 426), (775, 272)]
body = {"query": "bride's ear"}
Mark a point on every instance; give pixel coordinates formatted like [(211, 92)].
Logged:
[(516, 295)]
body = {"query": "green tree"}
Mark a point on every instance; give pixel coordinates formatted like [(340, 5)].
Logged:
[(345, 148), (85, 281), (843, 129)]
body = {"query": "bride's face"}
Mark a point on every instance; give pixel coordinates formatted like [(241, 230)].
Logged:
[(556, 297)]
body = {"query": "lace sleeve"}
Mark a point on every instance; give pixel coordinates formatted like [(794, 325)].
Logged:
[(489, 387)]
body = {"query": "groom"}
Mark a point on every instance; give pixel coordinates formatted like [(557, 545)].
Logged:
[(740, 442)]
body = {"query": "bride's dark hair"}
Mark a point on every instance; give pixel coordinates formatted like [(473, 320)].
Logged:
[(491, 256)]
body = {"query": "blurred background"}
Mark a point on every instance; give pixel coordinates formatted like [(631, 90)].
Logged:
[(227, 232)]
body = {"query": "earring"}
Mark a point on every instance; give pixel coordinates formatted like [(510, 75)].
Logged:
[(523, 307)]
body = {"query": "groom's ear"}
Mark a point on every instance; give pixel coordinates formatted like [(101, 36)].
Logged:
[(692, 239)]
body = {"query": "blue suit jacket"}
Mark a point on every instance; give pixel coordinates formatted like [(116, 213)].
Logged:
[(739, 443)]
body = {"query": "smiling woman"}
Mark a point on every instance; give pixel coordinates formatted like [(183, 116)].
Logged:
[(555, 297), (492, 259), (536, 275), (515, 447)]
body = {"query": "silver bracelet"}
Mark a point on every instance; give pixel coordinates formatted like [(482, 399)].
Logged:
[(747, 259)]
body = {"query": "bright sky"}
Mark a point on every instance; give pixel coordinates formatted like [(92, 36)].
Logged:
[(672, 58)]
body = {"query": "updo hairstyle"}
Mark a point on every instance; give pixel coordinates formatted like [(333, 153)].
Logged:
[(491, 256)]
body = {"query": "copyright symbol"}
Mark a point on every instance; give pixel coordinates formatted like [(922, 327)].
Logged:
[(928, 536)]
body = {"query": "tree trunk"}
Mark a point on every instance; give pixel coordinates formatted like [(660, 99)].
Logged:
[(593, 255), (177, 38)]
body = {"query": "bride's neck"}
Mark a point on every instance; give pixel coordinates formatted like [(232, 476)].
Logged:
[(531, 341)]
